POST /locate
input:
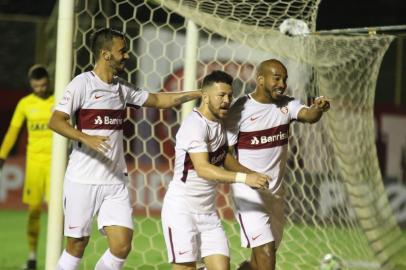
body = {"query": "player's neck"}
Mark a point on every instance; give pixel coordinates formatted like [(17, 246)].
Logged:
[(43, 95), (205, 111), (262, 98), (104, 73)]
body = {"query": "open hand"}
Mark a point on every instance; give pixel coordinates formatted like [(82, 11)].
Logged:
[(97, 143)]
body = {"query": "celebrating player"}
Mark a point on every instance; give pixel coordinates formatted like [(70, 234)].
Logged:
[(258, 129), (191, 226), (36, 110), (96, 174)]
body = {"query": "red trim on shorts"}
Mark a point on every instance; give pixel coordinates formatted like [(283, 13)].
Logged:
[(243, 229), (171, 242)]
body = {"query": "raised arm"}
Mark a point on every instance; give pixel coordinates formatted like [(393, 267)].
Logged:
[(313, 113), (214, 173), (164, 100), (59, 123)]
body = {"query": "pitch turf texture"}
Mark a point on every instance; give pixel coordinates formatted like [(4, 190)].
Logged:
[(149, 245)]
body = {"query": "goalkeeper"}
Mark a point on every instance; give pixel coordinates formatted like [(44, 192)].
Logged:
[(35, 110), (258, 129)]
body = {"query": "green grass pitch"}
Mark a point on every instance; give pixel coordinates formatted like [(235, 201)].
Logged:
[(302, 246)]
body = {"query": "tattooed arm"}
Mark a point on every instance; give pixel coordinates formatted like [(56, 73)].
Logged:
[(167, 100)]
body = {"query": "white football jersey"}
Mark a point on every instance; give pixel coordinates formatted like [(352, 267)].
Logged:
[(98, 108), (197, 134), (260, 134)]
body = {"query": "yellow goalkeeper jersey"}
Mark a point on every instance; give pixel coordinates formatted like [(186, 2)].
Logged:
[(36, 112)]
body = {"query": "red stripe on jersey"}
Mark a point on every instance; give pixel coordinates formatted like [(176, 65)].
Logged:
[(262, 139), (219, 156), (187, 165), (100, 119), (216, 158)]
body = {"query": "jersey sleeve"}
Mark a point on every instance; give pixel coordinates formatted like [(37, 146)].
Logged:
[(192, 136), (19, 115), (73, 96), (12, 133), (135, 96), (294, 107)]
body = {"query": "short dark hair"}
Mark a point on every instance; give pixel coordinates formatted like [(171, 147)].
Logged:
[(37, 72), (217, 76), (103, 39)]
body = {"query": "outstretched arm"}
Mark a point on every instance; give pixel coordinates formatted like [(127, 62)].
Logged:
[(59, 123), (164, 100), (214, 173), (313, 113)]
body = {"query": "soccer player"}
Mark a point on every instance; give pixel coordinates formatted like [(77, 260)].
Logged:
[(258, 131), (34, 109), (95, 179), (191, 226)]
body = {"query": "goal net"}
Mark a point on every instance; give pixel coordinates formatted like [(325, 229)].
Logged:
[(335, 203)]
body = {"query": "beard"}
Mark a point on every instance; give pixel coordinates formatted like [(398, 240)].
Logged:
[(117, 66)]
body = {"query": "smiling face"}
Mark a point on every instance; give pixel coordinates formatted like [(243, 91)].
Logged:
[(117, 55), (271, 80)]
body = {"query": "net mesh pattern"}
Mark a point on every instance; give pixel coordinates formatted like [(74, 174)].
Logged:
[(335, 200)]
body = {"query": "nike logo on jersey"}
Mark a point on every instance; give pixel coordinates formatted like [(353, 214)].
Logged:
[(254, 118), (183, 252), (72, 227), (97, 97), (255, 237)]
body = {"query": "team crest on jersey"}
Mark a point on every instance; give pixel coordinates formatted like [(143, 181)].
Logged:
[(284, 109)]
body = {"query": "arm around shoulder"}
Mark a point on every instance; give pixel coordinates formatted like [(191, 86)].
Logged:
[(165, 100)]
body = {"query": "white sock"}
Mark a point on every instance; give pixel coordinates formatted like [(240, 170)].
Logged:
[(32, 255), (109, 262), (68, 262)]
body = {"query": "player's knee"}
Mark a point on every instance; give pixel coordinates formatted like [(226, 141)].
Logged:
[(121, 249), (265, 256), (245, 265), (223, 266), (34, 212), (76, 246)]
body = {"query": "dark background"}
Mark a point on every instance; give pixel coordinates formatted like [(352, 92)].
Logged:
[(332, 13)]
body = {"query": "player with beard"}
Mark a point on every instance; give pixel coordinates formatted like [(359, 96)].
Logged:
[(190, 223), (35, 110), (96, 176), (258, 131)]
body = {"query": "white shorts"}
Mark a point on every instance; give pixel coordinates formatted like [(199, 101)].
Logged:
[(81, 202), (260, 215), (191, 236)]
